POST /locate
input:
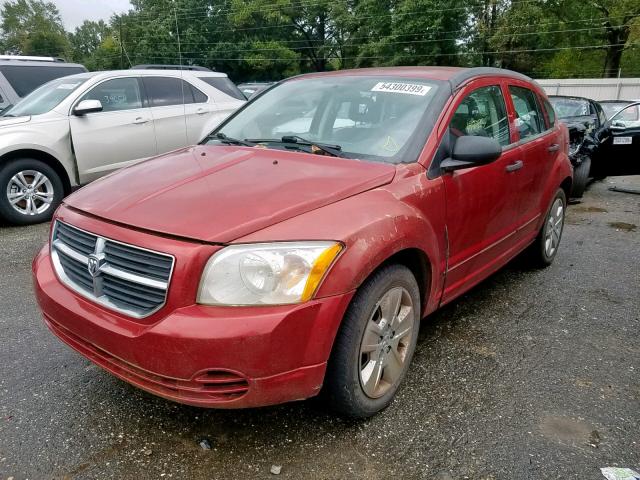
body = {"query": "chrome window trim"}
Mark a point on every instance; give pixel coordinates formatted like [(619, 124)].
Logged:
[(102, 300)]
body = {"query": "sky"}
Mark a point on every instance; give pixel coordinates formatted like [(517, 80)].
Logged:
[(74, 12)]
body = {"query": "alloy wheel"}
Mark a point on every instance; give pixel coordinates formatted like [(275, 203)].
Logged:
[(386, 341), (555, 223), (30, 192)]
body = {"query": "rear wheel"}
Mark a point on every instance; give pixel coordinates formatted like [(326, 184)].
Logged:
[(375, 343), (544, 249), (580, 178), (30, 191)]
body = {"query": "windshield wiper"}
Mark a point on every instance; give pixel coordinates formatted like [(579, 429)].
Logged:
[(231, 141), (333, 150)]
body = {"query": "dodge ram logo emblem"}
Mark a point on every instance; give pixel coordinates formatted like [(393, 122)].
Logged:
[(94, 263)]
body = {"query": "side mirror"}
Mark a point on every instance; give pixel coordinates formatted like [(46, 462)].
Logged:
[(618, 125), (471, 151), (87, 106)]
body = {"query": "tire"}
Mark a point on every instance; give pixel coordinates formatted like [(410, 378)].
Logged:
[(580, 178), (33, 205), (350, 382), (541, 252)]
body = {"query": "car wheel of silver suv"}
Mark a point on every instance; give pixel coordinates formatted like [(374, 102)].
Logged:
[(30, 191)]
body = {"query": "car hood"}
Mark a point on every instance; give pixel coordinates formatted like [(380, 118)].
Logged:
[(220, 193), (9, 121)]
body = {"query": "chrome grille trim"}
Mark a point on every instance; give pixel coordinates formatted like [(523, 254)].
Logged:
[(137, 291)]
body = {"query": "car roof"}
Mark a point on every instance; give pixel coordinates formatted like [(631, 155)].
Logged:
[(455, 75), (616, 101), (39, 63), (572, 97), (150, 73)]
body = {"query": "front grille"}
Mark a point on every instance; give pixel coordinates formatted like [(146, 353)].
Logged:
[(122, 277)]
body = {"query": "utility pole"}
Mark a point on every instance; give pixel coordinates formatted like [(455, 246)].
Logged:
[(121, 42)]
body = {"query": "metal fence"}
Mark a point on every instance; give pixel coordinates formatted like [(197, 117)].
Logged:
[(595, 88)]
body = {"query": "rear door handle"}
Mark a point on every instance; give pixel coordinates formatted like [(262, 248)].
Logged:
[(140, 120), (201, 111), (515, 166), (553, 148)]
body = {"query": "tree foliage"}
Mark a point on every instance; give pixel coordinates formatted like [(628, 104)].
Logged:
[(272, 39)]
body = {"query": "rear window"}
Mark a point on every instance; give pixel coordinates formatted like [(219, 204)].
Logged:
[(224, 85), (24, 79)]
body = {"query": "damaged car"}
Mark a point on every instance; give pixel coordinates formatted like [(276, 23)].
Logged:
[(600, 146), (583, 117)]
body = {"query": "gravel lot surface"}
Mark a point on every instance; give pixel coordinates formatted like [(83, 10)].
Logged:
[(534, 374)]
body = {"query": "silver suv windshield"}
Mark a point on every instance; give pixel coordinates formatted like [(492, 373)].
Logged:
[(367, 117), (47, 97)]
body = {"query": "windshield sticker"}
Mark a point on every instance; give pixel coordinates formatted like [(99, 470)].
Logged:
[(622, 140), (67, 86), (406, 88)]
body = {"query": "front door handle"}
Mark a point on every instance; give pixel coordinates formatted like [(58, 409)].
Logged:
[(515, 166), (140, 120), (553, 148)]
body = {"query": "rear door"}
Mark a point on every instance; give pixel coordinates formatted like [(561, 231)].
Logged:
[(168, 98), (121, 134), (481, 202), (541, 144)]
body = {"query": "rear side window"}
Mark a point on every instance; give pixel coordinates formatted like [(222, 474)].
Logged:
[(483, 113), (198, 96), (224, 85), (117, 94), (24, 79), (529, 118), (551, 113), (165, 91)]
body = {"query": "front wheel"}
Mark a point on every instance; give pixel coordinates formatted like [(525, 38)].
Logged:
[(580, 178), (544, 249), (30, 191), (375, 344)]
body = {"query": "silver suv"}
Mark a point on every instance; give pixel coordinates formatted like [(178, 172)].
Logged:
[(77, 128)]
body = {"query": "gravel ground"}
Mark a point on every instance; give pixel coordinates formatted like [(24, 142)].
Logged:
[(531, 375)]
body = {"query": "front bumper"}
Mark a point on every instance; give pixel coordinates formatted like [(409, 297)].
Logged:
[(224, 357)]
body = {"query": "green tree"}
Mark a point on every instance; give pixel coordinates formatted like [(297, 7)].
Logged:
[(32, 27)]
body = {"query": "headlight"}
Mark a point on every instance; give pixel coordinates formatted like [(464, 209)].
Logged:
[(266, 273)]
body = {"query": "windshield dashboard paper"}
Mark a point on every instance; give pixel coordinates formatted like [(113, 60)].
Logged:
[(406, 88)]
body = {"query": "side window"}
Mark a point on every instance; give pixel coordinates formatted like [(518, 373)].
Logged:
[(602, 118), (483, 113), (529, 119), (117, 94), (225, 85), (198, 96), (551, 113), (165, 91)]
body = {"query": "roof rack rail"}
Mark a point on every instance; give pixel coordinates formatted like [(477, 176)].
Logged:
[(29, 58), (170, 67)]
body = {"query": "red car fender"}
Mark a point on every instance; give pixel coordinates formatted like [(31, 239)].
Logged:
[(374, 226)]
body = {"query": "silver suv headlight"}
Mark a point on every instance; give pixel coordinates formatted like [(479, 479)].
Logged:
[(266, 273)]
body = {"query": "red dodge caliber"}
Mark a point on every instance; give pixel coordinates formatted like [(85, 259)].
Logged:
[(295, 251)]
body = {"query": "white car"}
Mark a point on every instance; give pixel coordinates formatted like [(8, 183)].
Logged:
[(75, 129)]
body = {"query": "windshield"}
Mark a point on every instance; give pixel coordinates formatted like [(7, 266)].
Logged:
[(359, 116), (570, 107), (46, 98)]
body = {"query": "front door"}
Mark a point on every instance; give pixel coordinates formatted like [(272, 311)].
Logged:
[(619, 152), (481, 202), (121, 134)]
